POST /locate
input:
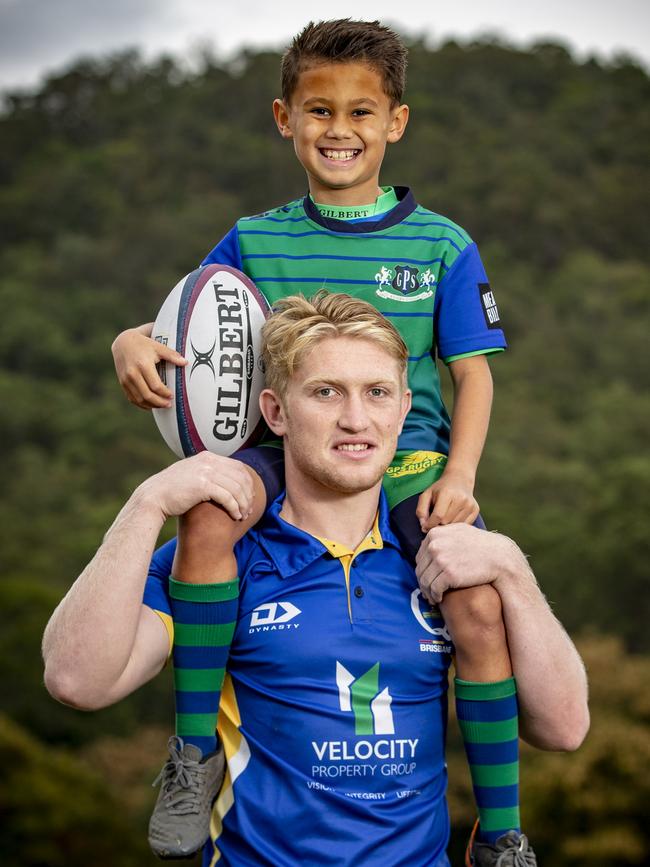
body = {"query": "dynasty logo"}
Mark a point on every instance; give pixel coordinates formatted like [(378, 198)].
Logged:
[(273, 616)]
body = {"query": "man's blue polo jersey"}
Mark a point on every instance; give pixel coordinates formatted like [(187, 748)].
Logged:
[(333, 713)]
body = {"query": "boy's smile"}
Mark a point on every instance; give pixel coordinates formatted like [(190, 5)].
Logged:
[(340, 120)]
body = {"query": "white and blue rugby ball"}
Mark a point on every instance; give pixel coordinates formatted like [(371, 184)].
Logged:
[(213, 317)]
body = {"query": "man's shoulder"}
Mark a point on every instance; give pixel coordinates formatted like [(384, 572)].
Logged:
[(248, 550), (256, 556), (268, 545)]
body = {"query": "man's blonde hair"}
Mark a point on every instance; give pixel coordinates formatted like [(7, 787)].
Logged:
[(297, 324)]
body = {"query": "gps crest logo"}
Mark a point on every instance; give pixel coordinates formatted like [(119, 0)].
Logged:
[(361, 696), (406, 280)]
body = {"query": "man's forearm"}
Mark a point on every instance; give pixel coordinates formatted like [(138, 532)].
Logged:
[(90, 637), (101, 642), (551, 679)]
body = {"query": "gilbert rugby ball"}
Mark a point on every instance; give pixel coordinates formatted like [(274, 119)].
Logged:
[(213, 317)]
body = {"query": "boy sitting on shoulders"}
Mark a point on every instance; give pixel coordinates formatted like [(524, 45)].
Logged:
[(341, 105)]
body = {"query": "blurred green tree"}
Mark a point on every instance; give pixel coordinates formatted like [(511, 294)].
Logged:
[(58, 813), (588, 807)]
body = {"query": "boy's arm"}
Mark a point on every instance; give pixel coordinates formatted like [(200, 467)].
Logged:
[(135, 356), (451, 498)]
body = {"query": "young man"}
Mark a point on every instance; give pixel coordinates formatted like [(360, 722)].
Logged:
[(341, 105), (333, 710)]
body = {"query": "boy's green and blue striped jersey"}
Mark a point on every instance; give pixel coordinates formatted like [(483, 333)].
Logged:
[(421, 270), (334, 708)]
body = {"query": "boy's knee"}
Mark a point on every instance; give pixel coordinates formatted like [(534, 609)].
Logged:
[(207, 536), (474, 615), (206, 524)]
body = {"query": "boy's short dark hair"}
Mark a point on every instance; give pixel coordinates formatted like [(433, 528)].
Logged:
[(346, 41)]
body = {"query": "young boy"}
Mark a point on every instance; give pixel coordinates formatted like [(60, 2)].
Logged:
[(342, 86)]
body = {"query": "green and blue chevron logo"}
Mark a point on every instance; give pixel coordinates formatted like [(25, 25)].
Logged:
[(361, 696)]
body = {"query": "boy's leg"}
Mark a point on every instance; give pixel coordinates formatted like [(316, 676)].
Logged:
[(486, 706), (204, 602), (486, 701), (204, 594), (204, 599)]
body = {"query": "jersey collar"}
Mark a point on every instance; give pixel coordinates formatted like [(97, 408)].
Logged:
[(292, 549), (372, 541), (406, 205)]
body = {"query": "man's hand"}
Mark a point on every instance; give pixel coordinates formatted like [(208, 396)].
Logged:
[(135, 356), (551, 681), (198, 479), (458, 556), (450, 500)]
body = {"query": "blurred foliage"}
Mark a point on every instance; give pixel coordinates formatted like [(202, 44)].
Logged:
[(117, 176), (57, 812), (589, 807), (25, 607)]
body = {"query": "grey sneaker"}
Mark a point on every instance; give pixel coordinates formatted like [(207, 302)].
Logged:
[(510, 850), (189, 785)]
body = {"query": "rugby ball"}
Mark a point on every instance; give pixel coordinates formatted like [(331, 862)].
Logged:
[(213, 317)]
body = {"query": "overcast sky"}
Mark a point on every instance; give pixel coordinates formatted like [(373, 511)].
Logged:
[(39, 36)]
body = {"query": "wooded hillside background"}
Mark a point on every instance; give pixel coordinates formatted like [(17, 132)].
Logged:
[(116, 177)]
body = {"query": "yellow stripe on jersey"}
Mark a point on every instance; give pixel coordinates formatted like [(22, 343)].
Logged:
[(169, 626), (238, 755), (346, 555)]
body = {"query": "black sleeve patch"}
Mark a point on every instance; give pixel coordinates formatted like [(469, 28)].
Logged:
[(489, 306)]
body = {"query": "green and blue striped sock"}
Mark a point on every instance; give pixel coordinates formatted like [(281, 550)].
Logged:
[(489, 723), (204, 623)]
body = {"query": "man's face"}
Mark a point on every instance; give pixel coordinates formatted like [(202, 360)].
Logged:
[(340, 120), (341, 415)]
